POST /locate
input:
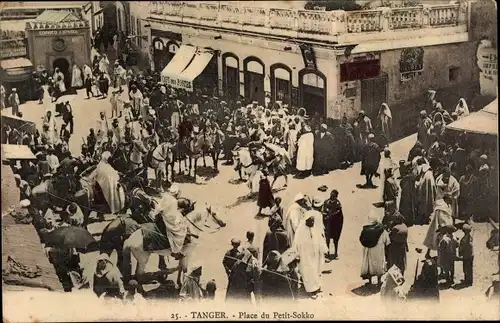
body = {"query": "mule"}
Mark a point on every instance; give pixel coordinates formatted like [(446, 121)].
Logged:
[(134, 245), (160, 157)]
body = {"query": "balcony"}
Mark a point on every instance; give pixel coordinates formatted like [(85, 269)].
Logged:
[(339, 25)]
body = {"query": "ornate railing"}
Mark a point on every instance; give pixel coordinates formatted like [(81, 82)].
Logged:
[(309, 22)]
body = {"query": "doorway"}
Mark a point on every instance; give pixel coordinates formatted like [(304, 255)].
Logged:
[(312, 85), (373, 94), (63, 65)]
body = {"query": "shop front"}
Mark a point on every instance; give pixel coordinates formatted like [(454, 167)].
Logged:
[(192, 68), (16, 69)]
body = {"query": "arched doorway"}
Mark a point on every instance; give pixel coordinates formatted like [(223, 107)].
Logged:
[(254, 79), (231, 76), (312, 84), (160, 55), (64, 67), (281, 83)]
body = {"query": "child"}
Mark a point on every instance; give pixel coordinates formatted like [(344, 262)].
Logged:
[(447, 253), (276, 210), (466, 255)]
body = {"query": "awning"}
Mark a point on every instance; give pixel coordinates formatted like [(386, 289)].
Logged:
[(16, 69), (16, 152), (19, 123), (199, 63), (179, 62), (484, 121)]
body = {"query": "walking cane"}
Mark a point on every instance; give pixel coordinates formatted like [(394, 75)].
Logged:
[(419, 251)]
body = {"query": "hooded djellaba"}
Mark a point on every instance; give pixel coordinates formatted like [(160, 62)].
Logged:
[(107, 279)]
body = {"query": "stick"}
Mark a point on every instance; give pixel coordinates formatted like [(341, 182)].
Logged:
[(416, 271)]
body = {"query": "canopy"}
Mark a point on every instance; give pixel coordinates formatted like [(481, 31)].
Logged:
[(16, 152), (199, 63), (484, 121), (16, 69), (18, 123), (181, 60)]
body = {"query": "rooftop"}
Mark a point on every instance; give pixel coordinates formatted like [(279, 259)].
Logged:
[(56, 16)]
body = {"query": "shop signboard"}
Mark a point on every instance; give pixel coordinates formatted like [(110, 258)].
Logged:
[(177, 82), (60, 32)]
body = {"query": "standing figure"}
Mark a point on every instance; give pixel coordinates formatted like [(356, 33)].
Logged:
[(59, 80), (14, 102), (2, 97), (370, 161), (334, 221), (310, 247), (305, 151), (384, 121), (374, 239), (323, 151), (76, 77), (446, 184)]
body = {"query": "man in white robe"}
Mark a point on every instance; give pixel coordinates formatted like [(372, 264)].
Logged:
[(310, 248), (441, 217), (305, 151), (175, 223), (294, 215), (102, 126), (291, 141), (446, 184), (59, 78), (373, 263), (107, 178)]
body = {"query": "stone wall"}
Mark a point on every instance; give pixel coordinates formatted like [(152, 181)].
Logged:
[(406, 99)]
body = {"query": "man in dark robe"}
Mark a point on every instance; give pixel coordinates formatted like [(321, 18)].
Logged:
[(323, 151), (391, 188), (265, 197), (459, 160), (346, 140), (370, 161), (231, 256), (333, 221), (408, 201), (275, 239), (398, 248)]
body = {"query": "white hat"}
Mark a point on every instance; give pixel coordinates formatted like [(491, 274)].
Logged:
[(25, 203), (318, 201), (105, 155), (371, 136), (174, 190)]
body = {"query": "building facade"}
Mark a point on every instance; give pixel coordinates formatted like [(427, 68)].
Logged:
[(333, 63), (58, 39)]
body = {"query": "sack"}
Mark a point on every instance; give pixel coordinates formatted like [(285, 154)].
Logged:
[(370, 235)]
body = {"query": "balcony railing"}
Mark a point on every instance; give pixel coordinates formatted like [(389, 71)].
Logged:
[(309, 23)]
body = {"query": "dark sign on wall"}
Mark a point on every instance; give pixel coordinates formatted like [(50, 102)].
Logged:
[(359, 70), (308, 56), (166, 34)]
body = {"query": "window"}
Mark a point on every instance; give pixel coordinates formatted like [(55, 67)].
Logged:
[(453, 73)]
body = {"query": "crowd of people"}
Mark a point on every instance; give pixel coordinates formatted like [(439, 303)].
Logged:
[(441, 185)]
